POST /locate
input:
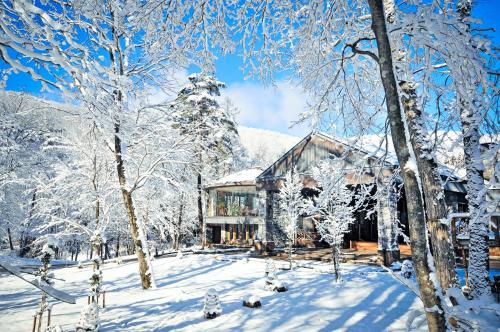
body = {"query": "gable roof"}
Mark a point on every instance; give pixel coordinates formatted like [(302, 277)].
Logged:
[(388, 159)]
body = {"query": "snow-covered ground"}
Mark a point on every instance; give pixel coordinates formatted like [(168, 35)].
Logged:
[(368, 300)]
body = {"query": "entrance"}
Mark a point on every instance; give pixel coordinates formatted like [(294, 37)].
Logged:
[(216, 234)]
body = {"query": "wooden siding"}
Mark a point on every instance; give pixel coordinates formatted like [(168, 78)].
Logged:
[(308, 153)]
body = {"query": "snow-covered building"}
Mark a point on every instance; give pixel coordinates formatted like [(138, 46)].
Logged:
[(243, 206), (234, 211)]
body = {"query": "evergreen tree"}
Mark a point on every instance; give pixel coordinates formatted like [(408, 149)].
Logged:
[(198, 115)]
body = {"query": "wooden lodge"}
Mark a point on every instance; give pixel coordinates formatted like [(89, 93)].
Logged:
[(241, 208)]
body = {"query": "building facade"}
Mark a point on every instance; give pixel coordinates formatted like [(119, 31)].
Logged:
[(242, 207), (234, 211)]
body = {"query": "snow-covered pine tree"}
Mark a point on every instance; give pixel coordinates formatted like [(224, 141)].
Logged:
[(333, 206), (197, 114), (291, 205)]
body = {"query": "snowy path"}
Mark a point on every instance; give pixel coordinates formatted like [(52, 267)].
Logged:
[(368, 300)]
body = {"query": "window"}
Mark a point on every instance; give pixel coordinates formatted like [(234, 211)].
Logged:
[(236, 204)]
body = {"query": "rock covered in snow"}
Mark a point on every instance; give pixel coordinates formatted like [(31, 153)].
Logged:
[(396, 266), (211, 307), (252, 301), (275, 285)]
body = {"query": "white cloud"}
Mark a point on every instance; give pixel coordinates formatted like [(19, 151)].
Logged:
[(269, 107)]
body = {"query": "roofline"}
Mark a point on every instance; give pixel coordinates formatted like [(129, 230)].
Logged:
[(232, 184), (331, 138), (325, 136), (286, 153)]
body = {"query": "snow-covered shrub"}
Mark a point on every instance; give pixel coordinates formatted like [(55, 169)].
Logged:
[(180, 255), (270, 272), (407, 268), (252, 301), (272, 283), (89, 318), (42, 274), (211, 306), (54, 328)]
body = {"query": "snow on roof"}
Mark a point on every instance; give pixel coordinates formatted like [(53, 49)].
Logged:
[(381, 147), (244, 177)]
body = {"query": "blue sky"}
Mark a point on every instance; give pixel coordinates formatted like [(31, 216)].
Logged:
[(264, 106)]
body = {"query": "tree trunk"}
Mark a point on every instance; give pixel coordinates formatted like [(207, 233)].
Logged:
[(415, 205), (335, 263), (117, 246), (25, 237), (134, 230), (387, 223), (435, 205), (428, 171), (179, 223), (476, 191), (117, 60), (200, 211), (478, 220), (11, 245)]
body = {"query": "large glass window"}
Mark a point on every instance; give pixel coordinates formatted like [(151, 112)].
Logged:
[(236, 204)]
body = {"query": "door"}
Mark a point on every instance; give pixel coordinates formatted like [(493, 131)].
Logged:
[(216, 234)]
